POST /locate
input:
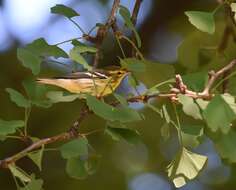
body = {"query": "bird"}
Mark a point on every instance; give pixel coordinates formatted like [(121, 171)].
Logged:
[(99, 82)]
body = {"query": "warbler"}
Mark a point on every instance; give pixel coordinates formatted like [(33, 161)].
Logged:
[(96, 83)]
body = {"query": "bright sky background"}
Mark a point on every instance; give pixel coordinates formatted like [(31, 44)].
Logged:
[(31, 19)]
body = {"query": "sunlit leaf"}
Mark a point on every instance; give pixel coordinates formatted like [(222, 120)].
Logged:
[(74, 148), (189, 106), (29, 60), (64, 10), (128, 135), (18, 98), (219, 115), (59, 96), (203, 21), (78, 58), (75, 168), (186, 166), (124, 12), (19, 173), (108, 112), (10, 127)]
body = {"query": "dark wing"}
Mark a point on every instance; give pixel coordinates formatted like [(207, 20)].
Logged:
[(78, 75)]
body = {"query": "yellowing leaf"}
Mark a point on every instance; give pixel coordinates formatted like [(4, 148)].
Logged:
[(186, 166)]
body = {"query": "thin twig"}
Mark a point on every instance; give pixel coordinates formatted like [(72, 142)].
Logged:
[(134, 20)]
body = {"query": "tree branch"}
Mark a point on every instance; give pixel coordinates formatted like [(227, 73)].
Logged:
[(102, 31), (180, 88)]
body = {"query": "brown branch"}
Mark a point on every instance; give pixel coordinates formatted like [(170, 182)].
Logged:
[(180, 88), (134, 21), (102, 32)]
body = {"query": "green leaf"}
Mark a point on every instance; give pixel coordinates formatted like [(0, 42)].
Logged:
[(75, 168), (226, 146), (133, 64), (78, 58), (108, 112), (36, 157), (36, 93), (219, 115), (41, 48), (19, 173), (75, 148), (128, 135), (29, 60), (191, 135), (64, 10), (124, 12), (9, 127), (35, 184), (204, 21), (58, 96), (186, 166), (82, 48), (196, 81), (155, 73), (18, 98), (190, 107)]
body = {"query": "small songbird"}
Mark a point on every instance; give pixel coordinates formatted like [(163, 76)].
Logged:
[(96, 83)]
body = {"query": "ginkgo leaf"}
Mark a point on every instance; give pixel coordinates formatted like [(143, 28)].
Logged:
[(78, 58), (64, 10), (219, 115), (203, 21), (191, 135), (35, 184), (36, 157), (189, 106), (226, 146), (19, 173), (186, 166)]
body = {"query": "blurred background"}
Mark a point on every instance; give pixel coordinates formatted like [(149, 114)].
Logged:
[(163, 27)]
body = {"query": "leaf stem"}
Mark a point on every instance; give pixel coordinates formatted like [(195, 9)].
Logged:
[(178, 125), (134, 46), (77, 25), (66, 41)]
